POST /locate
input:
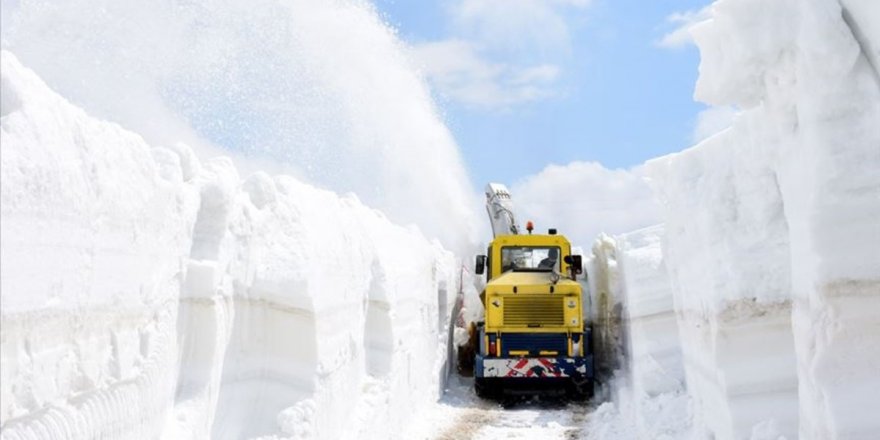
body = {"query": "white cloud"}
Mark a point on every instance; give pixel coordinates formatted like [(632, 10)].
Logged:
[(516, 24), (684, 21), (545, 73), (711, 121), (583, 199), (459, 72), (501, 53)]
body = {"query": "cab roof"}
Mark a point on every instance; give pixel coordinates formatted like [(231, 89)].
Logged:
[(531, 240)]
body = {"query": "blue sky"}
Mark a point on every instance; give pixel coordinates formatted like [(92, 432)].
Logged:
[(526, 83)]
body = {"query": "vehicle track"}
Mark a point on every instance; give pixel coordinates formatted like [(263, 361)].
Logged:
[(462, 415)]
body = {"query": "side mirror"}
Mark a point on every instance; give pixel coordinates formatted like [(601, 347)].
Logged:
[(480, 267), (574, 261)]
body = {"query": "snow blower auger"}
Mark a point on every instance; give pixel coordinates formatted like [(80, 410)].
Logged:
[(533, 338)]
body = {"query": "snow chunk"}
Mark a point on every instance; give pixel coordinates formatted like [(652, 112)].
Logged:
[(169, 164), (297, 420), (10, 100), (260, 188), (189, 163)]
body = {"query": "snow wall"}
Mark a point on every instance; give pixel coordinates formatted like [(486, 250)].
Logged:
[(640, 362), (771, 230), (146, 294), (763, 301)]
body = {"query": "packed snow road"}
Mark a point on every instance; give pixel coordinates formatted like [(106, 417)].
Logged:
[(462, 415)]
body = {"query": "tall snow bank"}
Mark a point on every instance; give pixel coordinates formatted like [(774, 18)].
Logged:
[(93, 235), (320, 90), (727, 255), (636, 340), (772, 231), (147, 294), (653, 339)]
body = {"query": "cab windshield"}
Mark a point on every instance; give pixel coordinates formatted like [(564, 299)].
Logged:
[(530, 258)]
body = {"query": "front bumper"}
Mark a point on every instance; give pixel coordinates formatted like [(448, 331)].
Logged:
[(534, 367)]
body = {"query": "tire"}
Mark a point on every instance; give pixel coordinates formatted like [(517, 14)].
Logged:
[(581, 390), (485, 389)]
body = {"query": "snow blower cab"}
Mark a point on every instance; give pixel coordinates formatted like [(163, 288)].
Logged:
[(533, 338)]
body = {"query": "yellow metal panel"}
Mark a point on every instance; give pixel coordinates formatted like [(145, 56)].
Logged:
[(494, 311), (532, 282), (534, 313), (531, 302), (548, 352), (519, 352)]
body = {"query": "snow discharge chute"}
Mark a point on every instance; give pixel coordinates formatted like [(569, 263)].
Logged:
[(499, 205)]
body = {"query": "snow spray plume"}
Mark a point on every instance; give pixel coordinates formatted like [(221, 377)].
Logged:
[(321, 90)]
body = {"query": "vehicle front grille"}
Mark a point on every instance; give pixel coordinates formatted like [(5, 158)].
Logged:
[(533, 310)]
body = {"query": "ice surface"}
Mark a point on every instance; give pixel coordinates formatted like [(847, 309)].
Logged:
[(147, 294)]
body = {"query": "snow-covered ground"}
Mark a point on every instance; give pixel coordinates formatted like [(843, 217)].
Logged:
[(462, 415), (147, 292)]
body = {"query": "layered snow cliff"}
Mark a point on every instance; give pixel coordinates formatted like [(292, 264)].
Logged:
[(146, 294), (761, 304), (772, 230)]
